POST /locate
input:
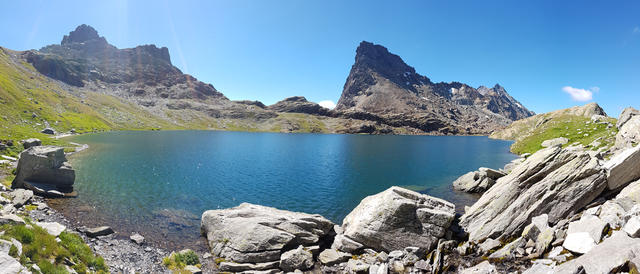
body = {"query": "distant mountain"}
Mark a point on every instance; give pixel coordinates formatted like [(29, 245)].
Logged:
[(382, 84)]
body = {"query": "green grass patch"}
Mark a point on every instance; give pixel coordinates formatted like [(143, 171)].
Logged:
[(177, 261), (41, 249), (576, 129)]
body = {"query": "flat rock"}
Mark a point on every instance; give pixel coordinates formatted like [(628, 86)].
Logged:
[(98, 231), (555, 142), (580, 242), (299, 258), (9, 265), (21, 197), (398, 218), (137, 238), (488, 245), (623, 168), (613, 253), (332, 257), (252, 233), (239, 267), (553, 181), (53, 228), (589, 224), (193, 269)]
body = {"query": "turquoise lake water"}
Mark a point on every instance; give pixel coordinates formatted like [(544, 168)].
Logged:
[(158, 183)]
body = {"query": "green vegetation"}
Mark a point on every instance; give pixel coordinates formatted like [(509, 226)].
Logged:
[(577, 129), (42, 249), (177, 261)]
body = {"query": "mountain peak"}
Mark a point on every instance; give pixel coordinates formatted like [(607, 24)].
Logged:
[(81, 34), (379, 58)]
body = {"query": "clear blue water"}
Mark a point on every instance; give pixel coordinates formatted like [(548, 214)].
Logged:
[(159, 182)]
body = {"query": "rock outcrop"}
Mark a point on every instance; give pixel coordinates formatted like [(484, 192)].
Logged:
[(478, 181), (553, 181), (395, 219), (45, 165), (257, 234), (623, 168)]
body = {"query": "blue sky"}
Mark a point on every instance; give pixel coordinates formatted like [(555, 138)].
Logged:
[(540, 51)]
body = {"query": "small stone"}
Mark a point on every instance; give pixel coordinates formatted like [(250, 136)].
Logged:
[(99, 231), (332, 257), (193, 269), (396, 254), (137, 238), (298, 258)]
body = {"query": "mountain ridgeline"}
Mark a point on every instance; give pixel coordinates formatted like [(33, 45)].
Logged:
[(138, 88)]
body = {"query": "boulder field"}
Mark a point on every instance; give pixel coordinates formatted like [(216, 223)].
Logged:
[(559, 210)]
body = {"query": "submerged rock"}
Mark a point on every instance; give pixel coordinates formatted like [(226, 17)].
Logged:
[(553, 181), (98, 231), (44, 165), (398, 218), (254, 234)]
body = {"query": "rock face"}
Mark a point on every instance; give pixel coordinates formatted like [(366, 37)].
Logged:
[(478, 181), (623, 168), (553, 181), (44, 165), (255, 234), (397, 218), (381, 85), (626, 115)]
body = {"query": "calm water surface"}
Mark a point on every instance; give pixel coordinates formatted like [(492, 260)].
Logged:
[(159, 183)]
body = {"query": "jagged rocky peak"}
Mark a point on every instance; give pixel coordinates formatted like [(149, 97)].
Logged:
[(298, 104), (81, 34)]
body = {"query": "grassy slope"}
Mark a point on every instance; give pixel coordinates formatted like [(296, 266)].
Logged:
[(28, 100), (575, 128)]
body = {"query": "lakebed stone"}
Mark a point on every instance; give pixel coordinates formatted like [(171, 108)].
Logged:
[(98, 231), (254, 234), (398, 218), (45, 165)]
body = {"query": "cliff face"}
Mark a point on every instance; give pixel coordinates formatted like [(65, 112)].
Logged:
[(382, 84)]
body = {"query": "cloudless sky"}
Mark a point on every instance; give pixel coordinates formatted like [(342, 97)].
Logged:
[(269, 50)]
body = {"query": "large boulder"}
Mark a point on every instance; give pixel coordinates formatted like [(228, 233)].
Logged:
[(553, 181), (629, 133), (256, 234), (45, 165), (397, 218), (623, 168), (478, 181)]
